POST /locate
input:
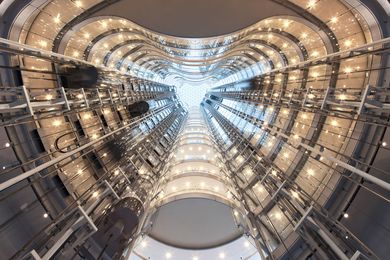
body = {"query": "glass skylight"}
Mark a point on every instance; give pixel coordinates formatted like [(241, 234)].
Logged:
[(192, 94)]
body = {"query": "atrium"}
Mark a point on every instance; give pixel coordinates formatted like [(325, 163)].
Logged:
[(194, 130)]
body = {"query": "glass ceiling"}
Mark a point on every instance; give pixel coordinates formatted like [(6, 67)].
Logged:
[(192, 94)]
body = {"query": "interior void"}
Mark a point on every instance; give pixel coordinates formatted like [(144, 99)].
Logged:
[(194, 129)]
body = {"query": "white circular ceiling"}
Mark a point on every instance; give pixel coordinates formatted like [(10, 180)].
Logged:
[(195, 223)]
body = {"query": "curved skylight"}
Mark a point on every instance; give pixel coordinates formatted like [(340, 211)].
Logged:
[(192, 94)]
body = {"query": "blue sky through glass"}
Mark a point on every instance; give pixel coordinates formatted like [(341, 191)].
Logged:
[(192, 95)]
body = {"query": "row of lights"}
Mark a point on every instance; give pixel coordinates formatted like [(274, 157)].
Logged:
[(189, 168), (311, 4), (202, 185), (169, 255), (199, 149)]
